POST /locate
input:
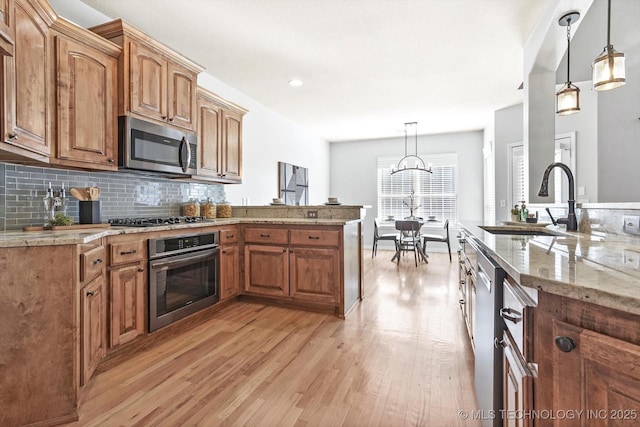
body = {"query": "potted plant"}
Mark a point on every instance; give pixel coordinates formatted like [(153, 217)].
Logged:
[(515, 214)]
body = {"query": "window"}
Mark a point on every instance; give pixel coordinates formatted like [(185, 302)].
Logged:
[(435, 193)]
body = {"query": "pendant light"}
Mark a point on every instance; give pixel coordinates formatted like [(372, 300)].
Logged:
[(568, 98), (417, 163), (608, 68)]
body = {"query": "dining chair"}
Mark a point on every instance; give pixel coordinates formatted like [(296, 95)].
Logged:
[(438, 238), (409, 239), (377, 236)]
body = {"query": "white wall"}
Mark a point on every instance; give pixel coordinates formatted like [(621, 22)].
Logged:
[(354, 171), (508, 129), (268, 137)]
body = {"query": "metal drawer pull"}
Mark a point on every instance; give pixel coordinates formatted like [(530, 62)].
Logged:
[(314, 238), (98, 261), (230, 236), (131, 252), (90, 293), (565, 344), (506, 313), (140, 269), (265, 235)]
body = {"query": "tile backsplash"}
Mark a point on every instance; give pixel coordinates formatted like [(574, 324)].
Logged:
[(123, 194)]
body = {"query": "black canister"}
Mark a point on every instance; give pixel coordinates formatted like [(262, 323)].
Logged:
[(90, 211)]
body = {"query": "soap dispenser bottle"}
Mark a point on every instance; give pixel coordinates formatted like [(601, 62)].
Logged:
[(524, 212)]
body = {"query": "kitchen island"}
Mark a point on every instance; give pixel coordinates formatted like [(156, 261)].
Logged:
[(60, 316), (570, 315)]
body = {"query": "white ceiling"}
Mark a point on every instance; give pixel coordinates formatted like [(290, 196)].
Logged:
[(368, 66)]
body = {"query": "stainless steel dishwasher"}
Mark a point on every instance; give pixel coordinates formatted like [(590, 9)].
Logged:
[(489, 331)]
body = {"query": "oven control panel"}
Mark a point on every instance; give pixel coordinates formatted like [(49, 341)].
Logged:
[(172, 245)]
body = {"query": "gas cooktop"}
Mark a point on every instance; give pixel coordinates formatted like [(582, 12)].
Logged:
[(154, 222)]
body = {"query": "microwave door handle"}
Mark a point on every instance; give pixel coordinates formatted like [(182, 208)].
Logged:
[(185, 147)]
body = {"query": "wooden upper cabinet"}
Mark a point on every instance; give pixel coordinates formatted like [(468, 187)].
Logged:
[(28, 85), (156, 82), (148, 75), (86, 100), (220, 138), (7, 33), (181, 92)]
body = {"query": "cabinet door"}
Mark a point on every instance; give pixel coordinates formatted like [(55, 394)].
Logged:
[(315, 274), (7, 33), (209, 134), (597, 374), (86, 109), (181, 92), (517, 385), (93, 327), (127, 303), (229, 271), (232, 146), (266, 270), (148, 86), (27, 76)]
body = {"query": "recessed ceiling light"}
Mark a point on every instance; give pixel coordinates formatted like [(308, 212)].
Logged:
[(295, 82)]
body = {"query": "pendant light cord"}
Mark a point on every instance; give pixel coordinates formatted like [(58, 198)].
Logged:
[(609, 24), (568, 50)]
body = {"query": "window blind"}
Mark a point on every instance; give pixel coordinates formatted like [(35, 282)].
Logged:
[(434, 194)]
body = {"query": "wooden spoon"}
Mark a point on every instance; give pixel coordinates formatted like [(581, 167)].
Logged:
[(94, 193), (78, 193)]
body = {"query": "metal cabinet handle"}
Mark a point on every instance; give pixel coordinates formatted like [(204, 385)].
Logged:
[(507, 312), (110, 160), (284, 250), (90, 293), (14, 136), (223, 252), (314, 238), (171, 119), (140, 269), (499, 344), (164, 117), (98, 261), (565, 344), (131, 252), (265, 236), (461, 302), (230, 236)]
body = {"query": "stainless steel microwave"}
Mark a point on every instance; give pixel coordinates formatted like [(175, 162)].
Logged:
[(150, 147)]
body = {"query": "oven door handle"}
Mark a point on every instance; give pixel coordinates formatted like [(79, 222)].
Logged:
[(166, 263)]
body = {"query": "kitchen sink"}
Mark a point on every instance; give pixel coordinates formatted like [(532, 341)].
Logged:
[(518, 231)]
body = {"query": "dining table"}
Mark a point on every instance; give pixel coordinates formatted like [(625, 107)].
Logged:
[(434, 223)]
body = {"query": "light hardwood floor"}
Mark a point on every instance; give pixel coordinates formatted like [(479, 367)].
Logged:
[(401, 358)]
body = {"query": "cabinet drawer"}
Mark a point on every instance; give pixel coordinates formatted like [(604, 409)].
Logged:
[(91, 263), (315, 237), (228, 236), (266, 235), (124, 252)]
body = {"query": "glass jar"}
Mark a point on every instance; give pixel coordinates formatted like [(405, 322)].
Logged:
[(191, 208), (208, 209), (223, 210)]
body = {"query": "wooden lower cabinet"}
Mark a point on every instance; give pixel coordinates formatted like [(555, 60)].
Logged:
[(93, 315), (307, 269), (587, 358), (314, 274), (266, 270), (517, 385), (229, 271), (127, 292)]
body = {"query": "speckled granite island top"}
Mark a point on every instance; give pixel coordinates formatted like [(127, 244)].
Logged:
[(601, 269), (277, 215)]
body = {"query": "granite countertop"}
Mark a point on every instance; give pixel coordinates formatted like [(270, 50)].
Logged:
[(76, 236), (598, 268)]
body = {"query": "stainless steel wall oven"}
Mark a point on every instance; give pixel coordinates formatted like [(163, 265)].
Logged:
[(184, 276)]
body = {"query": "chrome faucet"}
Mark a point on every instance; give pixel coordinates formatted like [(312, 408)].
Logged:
[(570, 221)]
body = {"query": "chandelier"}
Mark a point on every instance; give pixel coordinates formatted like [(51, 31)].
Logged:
[(411, 161)]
